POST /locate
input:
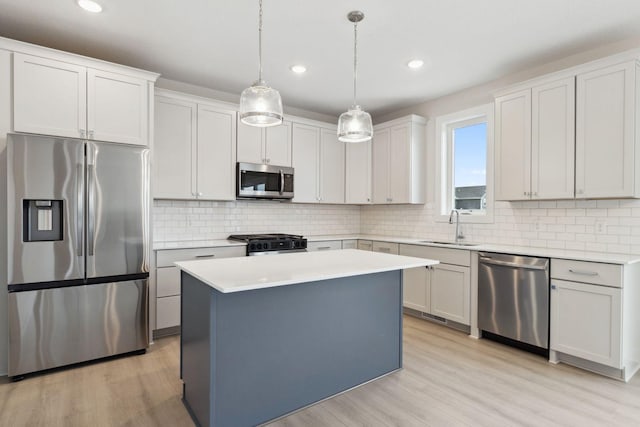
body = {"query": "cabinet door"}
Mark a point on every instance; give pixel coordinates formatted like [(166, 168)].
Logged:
[(349, 244), (400, 164), (553, 140), (167, 312), (326, 245), (306, 143), (49, 97), (605, 123), (380, 170), (277, 145), (416, 288), (174, 149), (358, 173), (167, 281), (513, 146), (586, 321), (250, 144), (365, 245), (216, 153), (451, 293), (117, 108), (331, 167)]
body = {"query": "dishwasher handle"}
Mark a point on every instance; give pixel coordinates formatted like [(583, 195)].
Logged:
[(488, 260)]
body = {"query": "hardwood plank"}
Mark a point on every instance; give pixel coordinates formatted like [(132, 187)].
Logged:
[(448, 379)]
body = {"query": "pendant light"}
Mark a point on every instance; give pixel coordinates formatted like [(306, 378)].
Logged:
[(355, 125), (260, 105)]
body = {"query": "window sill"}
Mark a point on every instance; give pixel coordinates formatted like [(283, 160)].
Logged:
[(468, 219)]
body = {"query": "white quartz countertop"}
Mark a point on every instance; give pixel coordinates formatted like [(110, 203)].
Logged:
[(606, 257), (258, 272)]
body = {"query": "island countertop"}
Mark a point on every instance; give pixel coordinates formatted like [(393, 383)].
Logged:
[(248, 273)]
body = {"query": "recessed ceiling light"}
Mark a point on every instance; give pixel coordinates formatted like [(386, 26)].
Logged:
[(90, 6), (415, 63), (298, 69)]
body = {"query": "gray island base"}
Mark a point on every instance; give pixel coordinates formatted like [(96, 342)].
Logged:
[(250, 357)]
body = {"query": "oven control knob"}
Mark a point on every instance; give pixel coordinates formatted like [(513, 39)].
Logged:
[(265, 246), (252, 246)]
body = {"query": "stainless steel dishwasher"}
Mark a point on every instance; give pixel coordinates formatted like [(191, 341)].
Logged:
[(513, 300)]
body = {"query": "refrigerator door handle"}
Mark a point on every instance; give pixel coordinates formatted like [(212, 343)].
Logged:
[(79, 209), (91, 221)]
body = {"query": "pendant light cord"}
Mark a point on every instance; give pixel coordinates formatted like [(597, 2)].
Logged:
[(260, 44), (355, 60)]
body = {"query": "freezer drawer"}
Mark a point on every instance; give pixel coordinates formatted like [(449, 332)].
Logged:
[(56, 327)]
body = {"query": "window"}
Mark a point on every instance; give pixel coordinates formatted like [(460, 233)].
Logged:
[(465, 146)]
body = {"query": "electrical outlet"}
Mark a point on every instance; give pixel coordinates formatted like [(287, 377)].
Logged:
[(601, 227)]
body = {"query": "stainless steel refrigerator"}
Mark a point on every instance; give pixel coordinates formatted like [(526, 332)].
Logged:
[(78, 226)]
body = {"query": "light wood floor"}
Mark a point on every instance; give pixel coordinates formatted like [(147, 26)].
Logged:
[(448, 379)]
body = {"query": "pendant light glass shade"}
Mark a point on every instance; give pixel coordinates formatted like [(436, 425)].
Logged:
[(260, 105), (355, 125)]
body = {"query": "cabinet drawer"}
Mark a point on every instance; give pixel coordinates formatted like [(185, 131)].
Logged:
[(327, 245), (386, 247), (587, 272), (167, 312), (167, 281), (365, 245), (444, 255), (166, 258), (349, 244)]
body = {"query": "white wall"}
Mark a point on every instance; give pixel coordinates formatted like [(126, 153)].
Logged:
[(558, 224), (202, 220), (5, 126)]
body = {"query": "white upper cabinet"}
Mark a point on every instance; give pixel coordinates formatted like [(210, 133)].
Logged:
[(271, 145), (399, 161), (174, 148), (194, 153), (216, 153), (605, 124), (332, 158), (513, 146), (64, 99), (117, 108), (49, 97), (319, 161), (571, 135), (535, 142), (358, 173), (552, 140)]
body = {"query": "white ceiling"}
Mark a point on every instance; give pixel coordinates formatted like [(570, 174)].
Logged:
[(213, 43)]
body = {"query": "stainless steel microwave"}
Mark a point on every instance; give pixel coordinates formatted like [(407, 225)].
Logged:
[(264, 181)]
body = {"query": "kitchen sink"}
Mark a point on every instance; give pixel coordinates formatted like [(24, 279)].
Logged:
[(435, 242)]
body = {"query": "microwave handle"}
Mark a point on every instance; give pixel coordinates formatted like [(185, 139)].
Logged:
[(281, 181)]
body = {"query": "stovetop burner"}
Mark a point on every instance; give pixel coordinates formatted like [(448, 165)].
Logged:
[(272, 243)]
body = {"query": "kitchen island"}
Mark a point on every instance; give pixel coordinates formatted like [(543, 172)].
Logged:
[(265, 336)]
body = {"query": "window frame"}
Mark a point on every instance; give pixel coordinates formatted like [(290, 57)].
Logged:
[(444, 128)]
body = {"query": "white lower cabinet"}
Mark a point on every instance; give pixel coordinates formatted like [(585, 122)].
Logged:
[(324, 245), (450, 292), (594, 316), (385, 247), (365, 245), (443, 290), (586, 321), (168, 279), (350, 244)]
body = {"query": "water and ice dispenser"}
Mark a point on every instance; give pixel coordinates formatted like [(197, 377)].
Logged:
[(42, 220)]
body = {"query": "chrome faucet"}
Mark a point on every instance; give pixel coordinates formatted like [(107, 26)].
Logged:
[(459, 236)]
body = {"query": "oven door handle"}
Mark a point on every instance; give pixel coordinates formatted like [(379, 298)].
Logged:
[(513, 264), (281, 190)]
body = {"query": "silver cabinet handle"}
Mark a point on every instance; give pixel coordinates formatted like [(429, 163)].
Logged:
[(90, 134), (205, 256), (79, 209), (91, 169), (323, 248), (81, 131), (583, 272), (384, 249)]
